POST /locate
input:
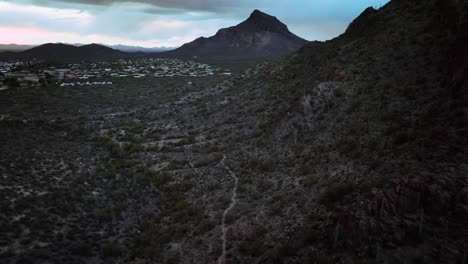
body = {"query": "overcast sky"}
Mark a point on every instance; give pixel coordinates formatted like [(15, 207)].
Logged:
[(170, 23)]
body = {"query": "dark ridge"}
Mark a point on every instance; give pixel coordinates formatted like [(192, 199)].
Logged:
[(65, 52)]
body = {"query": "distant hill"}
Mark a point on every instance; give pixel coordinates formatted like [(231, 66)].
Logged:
[(261, 35), (65, 52), (15, 47), (126, 48)]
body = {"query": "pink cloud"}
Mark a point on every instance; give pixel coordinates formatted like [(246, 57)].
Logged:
[(37, 36), (20, 35)]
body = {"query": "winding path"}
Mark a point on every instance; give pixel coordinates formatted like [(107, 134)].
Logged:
[(222, 258)]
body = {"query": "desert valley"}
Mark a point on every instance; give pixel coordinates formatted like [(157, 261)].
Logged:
[(250, 146)]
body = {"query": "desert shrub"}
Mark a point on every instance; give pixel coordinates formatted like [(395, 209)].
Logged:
[(82, 249), (336, 192), (320, 259), (176, 164), (339, 93), (264, 185), (182, 120), (347, 146), (231, 217), (155, 134), (280, 252), (158, 178), (310, 180), (354, 106), (186, 141), (184, 185), (136, 128), (129, 138), (253, 248), (214, 186), (104, 215), (403, 136), (204, 226), (111, 249), (118, 195), (12, 82), (304, 170), (173, 193), (166, 148), (276, 208), (119, 208), (267, 165), (115, 150), (119, 164), (132, 148), (175, 259), (110, 145), (207, 161)]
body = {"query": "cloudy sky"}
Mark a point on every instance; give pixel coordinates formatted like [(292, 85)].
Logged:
[(169, 23)]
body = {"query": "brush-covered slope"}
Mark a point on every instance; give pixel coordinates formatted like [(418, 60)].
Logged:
[(354, 150)]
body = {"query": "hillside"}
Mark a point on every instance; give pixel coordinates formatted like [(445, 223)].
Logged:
[(65, 52), (352, 150), (260, 36), (362, 144)]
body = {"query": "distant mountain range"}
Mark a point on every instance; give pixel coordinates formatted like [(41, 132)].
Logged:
[(125, 48), (261, 35), (15, 47), (65, 52), (139, 49)]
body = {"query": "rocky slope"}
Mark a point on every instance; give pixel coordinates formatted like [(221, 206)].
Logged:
[(354, 150), (261, 35), (364, 139)]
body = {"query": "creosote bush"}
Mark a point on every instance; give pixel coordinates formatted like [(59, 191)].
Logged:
[(336, 192)]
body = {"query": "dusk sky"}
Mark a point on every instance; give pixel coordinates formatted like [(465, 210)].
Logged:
[(170, 23)]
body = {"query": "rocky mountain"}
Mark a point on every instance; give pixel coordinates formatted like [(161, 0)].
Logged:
[(261, 35), (63, 52)]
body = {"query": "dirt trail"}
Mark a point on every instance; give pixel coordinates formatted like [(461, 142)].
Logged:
[(222, 258)]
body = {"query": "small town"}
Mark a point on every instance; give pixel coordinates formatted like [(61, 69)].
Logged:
[(102, 73), (84, 84)]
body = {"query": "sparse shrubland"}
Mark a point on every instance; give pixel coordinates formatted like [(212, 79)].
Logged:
[(348, 151)]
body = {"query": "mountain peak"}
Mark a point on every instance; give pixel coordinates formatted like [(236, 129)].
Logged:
[(259, 16), (262, 21), (261, 35)]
